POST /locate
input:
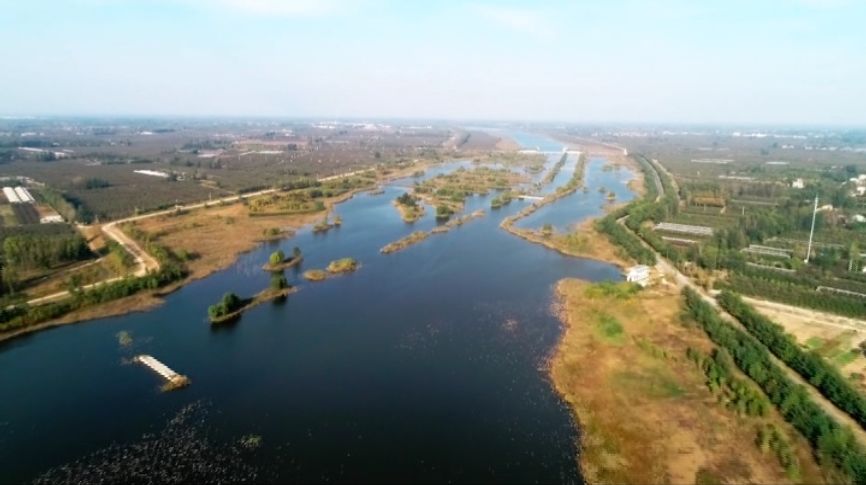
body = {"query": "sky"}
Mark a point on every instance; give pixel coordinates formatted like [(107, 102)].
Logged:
[(665, 61)]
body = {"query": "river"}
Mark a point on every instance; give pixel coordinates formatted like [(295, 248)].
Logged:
[(424, 365)]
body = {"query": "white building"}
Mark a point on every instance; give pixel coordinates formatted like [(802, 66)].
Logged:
[(798, 184), (638, 274), (49, 219)]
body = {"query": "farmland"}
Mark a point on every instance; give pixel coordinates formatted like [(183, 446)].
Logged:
[(95, 170), (737, 213)]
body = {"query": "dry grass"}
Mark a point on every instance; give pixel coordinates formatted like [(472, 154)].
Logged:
[(217, 235), (646, 415)]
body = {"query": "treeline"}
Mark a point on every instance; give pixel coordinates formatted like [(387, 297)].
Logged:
[(739, 394), (835, 446), (795, 294), (70, 208), (810, 365), (171, 269), (43, 251), (623, 238)]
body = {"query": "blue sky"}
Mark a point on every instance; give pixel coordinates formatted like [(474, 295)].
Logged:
[(779, 61)]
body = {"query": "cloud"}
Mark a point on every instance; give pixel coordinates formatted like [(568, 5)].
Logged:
[(523, 20)]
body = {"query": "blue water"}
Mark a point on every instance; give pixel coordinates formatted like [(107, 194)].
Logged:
[(424, 365)]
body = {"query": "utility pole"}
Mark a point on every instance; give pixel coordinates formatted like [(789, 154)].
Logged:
[(812, 232)]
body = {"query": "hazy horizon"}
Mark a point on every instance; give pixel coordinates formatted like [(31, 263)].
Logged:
[(781, 62)]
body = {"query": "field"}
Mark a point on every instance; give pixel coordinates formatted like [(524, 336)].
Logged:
[(646, 412), (835, 338)]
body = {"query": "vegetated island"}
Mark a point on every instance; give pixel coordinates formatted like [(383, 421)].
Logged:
[(657, 402), (278, 260), (336, 267), (419, 236), (231, 306), (409, 207)]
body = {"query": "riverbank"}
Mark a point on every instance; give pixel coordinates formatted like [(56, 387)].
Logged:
[(645, 411), (583, 242)]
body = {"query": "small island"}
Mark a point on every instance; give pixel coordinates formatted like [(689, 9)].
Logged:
[(231, 306), (343, 265), (409, 207), (315, 275), (278, 260), (419, 236), (405, 242), (339, 266), (326, 225)]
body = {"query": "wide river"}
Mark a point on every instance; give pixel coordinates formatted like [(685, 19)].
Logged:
[(424, 365)]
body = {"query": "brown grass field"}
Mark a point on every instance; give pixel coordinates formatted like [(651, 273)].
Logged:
[(645, 413)]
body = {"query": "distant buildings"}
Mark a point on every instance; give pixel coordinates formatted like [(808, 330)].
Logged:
[(798, 184), (152, 173)]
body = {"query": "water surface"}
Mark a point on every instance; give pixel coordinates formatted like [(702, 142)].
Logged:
[(425, 365)]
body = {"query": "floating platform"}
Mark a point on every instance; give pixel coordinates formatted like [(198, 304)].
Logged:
[(173, 379)]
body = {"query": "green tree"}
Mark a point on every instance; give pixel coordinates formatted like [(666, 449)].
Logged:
[(279, 282), (277, 257)]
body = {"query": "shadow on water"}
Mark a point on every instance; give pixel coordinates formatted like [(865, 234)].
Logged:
[(424, 365)]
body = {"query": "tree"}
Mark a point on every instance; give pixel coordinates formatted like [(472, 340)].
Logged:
[(277, 257), (407, 200), (547, 230), (443, 212), (279, 282)]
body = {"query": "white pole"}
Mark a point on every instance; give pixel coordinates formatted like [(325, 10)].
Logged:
[(812, 232)]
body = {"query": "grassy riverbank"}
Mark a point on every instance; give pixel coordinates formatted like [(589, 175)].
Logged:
[(646, 411), (584, 241)]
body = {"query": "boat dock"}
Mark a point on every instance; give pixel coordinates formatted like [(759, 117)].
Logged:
[(173, 379)]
